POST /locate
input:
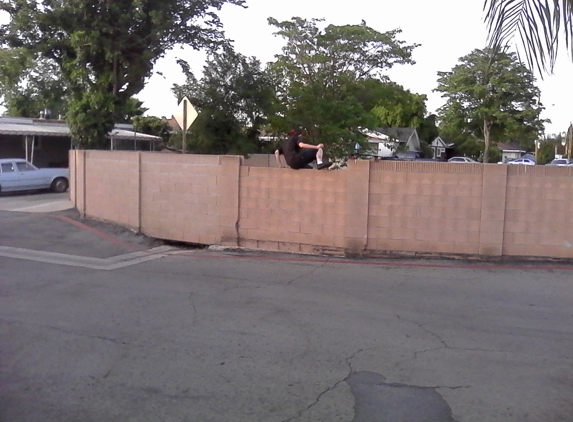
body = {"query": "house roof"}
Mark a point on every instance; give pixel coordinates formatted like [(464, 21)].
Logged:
[(173, 125), (402, 134), (441, 142), (510, 147), (375, 135), (38, 127)]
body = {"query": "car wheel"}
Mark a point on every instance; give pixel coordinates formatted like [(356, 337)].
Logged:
[(60, 185)]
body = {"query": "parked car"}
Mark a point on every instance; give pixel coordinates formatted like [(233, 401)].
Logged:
[(522, 161), (560, 162), (17, 174), (461, 160)]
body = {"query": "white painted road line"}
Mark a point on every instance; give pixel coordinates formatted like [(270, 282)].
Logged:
[(41, 205), (107, 264)]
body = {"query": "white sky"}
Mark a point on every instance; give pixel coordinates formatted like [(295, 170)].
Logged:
[(446, 30)]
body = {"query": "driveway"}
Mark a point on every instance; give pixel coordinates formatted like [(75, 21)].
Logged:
[(197, 335), (35, 202)]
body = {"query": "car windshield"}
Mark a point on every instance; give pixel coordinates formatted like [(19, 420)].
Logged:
[(559, 161)]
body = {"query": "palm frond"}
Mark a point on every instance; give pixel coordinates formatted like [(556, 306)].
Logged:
[(539, 25)]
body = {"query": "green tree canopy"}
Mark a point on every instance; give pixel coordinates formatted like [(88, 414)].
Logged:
[(323, 76), (30, 84), (491, 96), (234, 97), (153, 126), (106, 50), (396, 106)]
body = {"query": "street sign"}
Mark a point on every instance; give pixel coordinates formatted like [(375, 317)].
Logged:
[(186, 114)]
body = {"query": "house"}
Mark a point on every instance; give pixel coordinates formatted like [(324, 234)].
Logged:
[(46, 143), (510, 151), (386, 141), (403, 135), (380, 144), (439, 146)]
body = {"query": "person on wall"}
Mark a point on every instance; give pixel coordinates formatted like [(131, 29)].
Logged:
[(299, 155)]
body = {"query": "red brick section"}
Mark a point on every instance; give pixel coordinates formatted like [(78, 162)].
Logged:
[(538, 212), (292, 210), (492, 221), (425, 207), (228, 182), (357, 207), (111, 186), (370, 208), (179, 197)]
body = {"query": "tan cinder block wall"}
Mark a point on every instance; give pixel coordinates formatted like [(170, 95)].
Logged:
[(539, 212), (292, 210), (179, 197), (372, 207), (261, 160), (425, 207), (112, 186)]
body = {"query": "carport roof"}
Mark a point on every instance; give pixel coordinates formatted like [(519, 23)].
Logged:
[(37, 127)]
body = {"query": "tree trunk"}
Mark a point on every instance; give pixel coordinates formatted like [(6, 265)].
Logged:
[(486, 126)]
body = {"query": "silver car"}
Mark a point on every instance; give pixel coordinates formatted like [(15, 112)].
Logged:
[(522, 161), (560, 162), (17, 174), (461, 160)]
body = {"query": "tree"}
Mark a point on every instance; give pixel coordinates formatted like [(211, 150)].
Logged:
[(322, 78), (152, 125), (396, 106), (30, 84), (106, 50), (545, 152), (428, 129), (234, 98), (133, 108), (491, 96), (540, 24)]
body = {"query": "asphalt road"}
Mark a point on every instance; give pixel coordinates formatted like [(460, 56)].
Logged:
[(198, 335)]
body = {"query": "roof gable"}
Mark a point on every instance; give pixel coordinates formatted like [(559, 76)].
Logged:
[(402, 134)]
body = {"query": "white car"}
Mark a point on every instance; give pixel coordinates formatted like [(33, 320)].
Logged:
[(461, 160), (560, 162), (522, 161), (18, 174)]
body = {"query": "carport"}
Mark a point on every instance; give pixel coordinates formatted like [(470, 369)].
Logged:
[(46, 143)]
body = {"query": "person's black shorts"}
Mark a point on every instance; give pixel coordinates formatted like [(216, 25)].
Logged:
[(304, 158)]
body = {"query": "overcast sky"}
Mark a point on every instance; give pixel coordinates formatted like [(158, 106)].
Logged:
[(446, 30)]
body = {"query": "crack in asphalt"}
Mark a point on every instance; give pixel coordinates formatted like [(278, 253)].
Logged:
[(323, 263), (194, 320), (75, 333), (446, 346), (430, 332), (287, 283), (108, 339), (335, 385)]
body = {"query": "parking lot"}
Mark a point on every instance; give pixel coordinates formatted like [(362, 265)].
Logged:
[(35, 201), (100, 324)]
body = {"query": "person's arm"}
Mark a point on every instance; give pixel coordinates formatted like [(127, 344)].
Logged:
[(278, 158), (310, 146)]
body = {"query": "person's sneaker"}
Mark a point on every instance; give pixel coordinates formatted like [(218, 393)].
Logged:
[(323, 166)]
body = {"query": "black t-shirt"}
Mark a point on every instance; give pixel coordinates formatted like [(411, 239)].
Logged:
[(290, 150)]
